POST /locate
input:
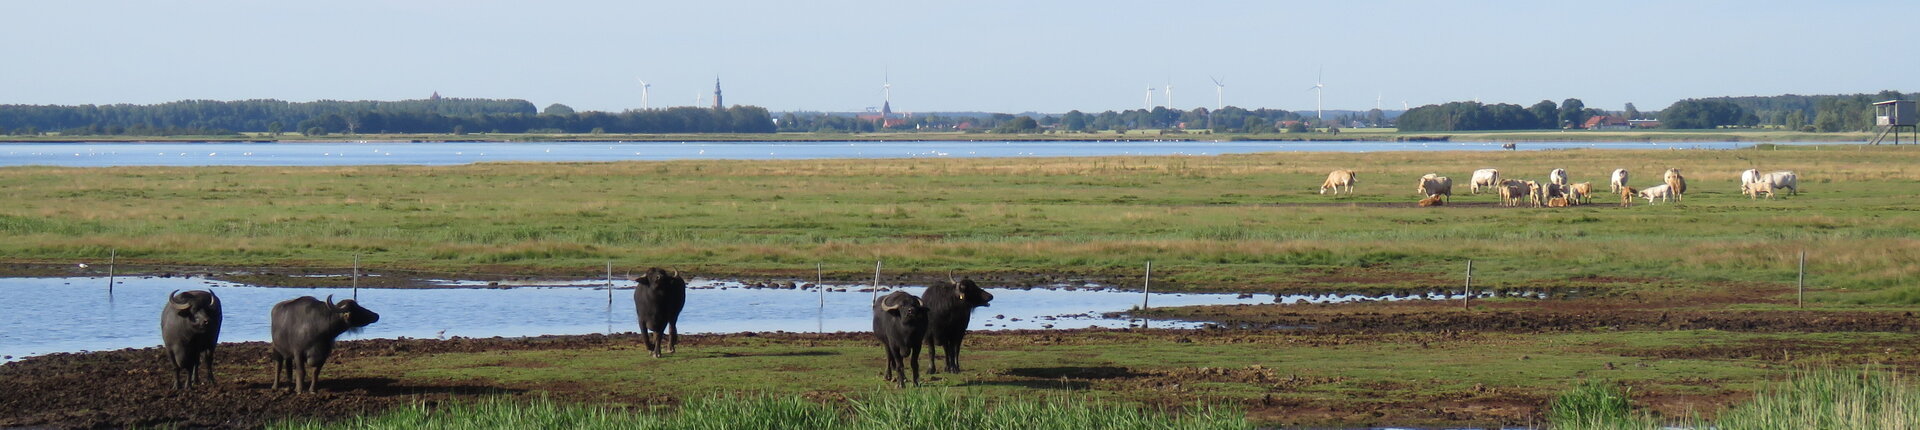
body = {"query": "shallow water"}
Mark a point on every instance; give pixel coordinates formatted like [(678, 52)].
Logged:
[(341, 154), (47, 315)]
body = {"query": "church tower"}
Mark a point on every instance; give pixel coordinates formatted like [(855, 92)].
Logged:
[(717, 105)]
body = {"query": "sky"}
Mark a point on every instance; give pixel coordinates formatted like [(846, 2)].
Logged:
[(980, 55)]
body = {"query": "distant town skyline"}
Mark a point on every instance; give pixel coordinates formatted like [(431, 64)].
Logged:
[(993, 56)]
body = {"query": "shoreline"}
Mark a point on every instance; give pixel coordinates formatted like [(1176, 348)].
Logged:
[(1363, 135)]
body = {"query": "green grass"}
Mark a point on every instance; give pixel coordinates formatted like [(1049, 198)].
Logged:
[(1235, 222), (929, 409), (1592, 403), (1399, 373), (1817, 399)]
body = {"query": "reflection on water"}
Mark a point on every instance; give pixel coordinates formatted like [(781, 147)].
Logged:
[(347, 154)]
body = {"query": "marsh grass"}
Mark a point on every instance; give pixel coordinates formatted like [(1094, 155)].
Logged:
[(1814, 399), (918, 409), (1831, 399), (1223, 222)]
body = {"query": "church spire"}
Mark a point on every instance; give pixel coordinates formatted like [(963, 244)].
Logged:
[(717, 105)]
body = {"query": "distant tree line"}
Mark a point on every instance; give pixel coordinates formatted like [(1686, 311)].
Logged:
[(441, 115), (1225, 120), (1825, 113), (1461, 116)]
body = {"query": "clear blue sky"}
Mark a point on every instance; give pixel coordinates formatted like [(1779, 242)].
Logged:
[(991, 55)]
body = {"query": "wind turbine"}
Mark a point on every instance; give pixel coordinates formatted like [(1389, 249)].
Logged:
[(1169, 90), (1318, 89), (1376, 101), (1149, 105), (1219, 93), (644, 89)]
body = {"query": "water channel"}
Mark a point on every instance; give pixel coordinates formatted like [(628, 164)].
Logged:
[(48, 315)]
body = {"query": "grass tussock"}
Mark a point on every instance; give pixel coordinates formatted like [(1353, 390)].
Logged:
[(920, 409)]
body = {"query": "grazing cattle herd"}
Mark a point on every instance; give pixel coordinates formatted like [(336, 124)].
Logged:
[(1437, 190)]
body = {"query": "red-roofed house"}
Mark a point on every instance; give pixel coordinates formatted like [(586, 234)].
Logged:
[(1607, 122)]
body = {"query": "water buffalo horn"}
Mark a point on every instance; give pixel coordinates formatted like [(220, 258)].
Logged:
[(888, 305), (329, 300), (173, 298)]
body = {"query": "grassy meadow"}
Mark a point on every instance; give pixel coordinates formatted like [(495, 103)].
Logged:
[(1265, 377), (1231, 222), (881, 410)]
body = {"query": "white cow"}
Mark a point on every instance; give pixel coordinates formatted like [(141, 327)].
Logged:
[(1557, 177), (1619, 180), (1436, 185), (1676, 184), (1337, 179), (1748, 176), (1781, 180), (1754, 189), (1657, 192), (1512, 192), (1489, 178)]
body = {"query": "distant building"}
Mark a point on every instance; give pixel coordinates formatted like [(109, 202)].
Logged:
[(1644, 123), (717, 105), (436, 96), (885, 117), (1607, 122)]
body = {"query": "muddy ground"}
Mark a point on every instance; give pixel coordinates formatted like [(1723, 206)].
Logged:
[(131, 387)]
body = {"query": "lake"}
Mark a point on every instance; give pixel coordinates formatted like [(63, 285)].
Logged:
[(347, 154)]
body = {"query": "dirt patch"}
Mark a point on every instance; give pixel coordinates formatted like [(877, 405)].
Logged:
[(1862, 351)]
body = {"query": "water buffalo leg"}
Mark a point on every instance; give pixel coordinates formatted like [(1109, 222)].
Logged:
[(932, 355), (206, 365), (647, 336), (297, 364), (179, 367), (953, 356), (673, 336), (914, 358), (313, 385)]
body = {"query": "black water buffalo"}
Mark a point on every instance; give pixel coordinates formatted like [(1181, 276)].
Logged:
[(657, 300), (900, 321), (949, 307), (303, 334), (190, 328)]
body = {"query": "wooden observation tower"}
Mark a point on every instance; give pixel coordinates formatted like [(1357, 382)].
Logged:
[(1893, 115)]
